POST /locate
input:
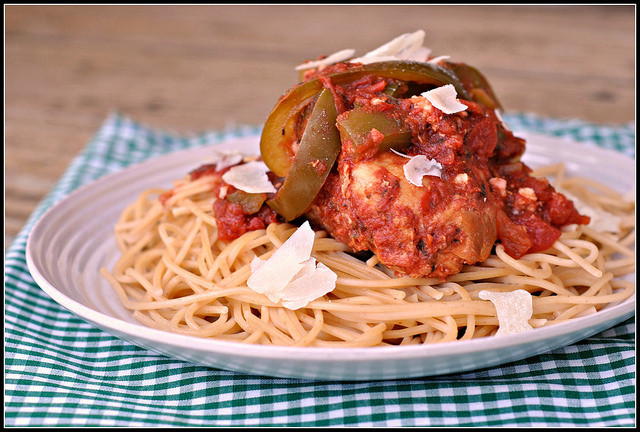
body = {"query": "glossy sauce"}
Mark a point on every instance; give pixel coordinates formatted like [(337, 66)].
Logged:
[(484, 193)]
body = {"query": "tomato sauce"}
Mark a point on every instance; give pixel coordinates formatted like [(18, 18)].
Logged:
[(234, 222), (231, 217), (483, 195), (473, 147)]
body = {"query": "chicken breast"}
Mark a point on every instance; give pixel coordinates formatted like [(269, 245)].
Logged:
[(387, 117), (481, 195), (415, 231)]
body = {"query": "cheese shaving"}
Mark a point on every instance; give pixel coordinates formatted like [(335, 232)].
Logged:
[(250, 177), (445, 98), (418, 167), (291, 276), (438, 59), (336, 57), (600, 220), (312, 282), (514, 309), (226, 158), (407, 46)]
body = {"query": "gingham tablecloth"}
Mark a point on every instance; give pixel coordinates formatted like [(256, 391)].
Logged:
[(62, 371)]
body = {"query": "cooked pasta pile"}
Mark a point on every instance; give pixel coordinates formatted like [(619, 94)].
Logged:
[(176, 275)]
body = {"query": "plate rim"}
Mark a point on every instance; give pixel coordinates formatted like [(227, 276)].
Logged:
[(618, 312)]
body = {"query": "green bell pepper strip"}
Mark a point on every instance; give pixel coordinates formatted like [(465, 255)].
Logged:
[(318, 151), (392, 89), (250, 202), (278, 137), (306, 169), (355, 125), (476, 84)]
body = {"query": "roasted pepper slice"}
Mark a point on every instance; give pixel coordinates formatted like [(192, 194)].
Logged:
[(358, 124), (392, 89), (318, 150), (476, 84), (250, 202), (278, 137)]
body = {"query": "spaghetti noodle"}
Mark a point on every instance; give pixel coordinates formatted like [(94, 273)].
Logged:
[(175, 274)]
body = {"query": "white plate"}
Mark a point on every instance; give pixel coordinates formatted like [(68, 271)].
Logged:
[(73, 239)]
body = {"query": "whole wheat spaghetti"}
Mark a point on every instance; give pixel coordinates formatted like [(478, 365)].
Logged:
[(175, 274)]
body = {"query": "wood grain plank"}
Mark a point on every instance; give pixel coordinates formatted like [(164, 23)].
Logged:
[(198, 67)]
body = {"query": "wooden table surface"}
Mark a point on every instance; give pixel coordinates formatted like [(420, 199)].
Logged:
[(191, 68)]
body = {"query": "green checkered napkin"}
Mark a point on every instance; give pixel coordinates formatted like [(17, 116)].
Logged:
[(62, 371)]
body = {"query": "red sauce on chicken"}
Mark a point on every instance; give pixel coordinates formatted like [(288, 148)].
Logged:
[(482, 195), (452, 220)]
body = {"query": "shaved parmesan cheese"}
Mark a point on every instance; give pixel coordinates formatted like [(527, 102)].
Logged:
[(336, 57), (369, 60), (601, 220), (514, 309), (226, 158), (445, 98), (407, 46), (291, 275), (419, 55), (418, 167), (437, 60), (312, 282), (250, 177), (273, 275)]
